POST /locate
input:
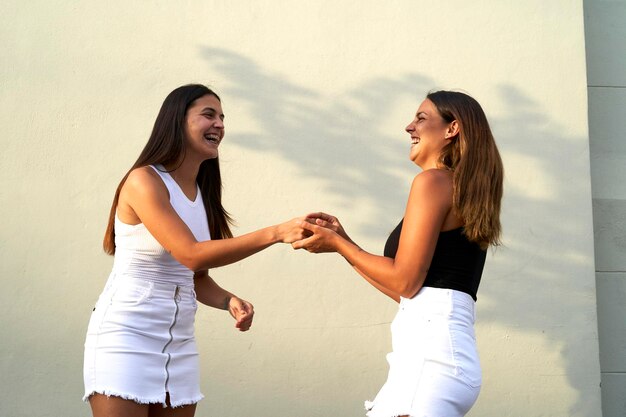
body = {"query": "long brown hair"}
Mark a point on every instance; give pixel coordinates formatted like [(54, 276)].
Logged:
[(477, 169), (167, 146)]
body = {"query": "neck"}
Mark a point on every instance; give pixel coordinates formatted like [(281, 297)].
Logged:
[(184, 174), (430, 165)]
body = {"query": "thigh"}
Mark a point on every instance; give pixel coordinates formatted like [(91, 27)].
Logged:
[(110, 406), (157, 410)]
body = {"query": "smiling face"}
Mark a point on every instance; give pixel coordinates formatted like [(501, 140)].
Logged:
[(429, 134), (204, 127)]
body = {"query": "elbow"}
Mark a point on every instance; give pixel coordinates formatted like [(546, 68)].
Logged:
[(190, 260), (410, 287), (191, 263), (410, 292), (196, 259)]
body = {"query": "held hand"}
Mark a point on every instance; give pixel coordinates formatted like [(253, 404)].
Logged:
[(328, 221), (242, 311), (292, 231), (321, 239)]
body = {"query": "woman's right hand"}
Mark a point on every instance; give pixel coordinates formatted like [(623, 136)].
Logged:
[(328, 221), (292, 231)]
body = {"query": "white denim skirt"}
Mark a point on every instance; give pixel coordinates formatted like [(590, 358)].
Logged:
[(140, 343), (434, 368)]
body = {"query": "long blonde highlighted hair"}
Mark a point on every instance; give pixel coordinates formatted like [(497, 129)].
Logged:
[(473, 157)]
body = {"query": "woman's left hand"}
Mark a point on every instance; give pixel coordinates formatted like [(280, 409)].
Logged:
[(322, 239), (242, 311)]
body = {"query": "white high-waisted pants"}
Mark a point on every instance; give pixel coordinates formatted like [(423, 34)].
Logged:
[(434, 369), (140, 343)]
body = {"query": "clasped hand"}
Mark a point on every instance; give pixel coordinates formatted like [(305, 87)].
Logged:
[(323, 232)]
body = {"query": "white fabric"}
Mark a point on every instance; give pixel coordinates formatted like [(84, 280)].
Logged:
[(139, 255), (140, 343), (434, 370)]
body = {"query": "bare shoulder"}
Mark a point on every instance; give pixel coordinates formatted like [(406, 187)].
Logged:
[(438, 180), (143, 181), (431, 191), (143, 177)]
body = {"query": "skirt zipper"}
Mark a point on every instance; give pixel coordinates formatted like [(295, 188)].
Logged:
[(169, 357)]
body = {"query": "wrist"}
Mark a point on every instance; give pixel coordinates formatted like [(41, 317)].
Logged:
[(345, 247), (338, 242), (276, 234), (347, 238), (226, 303)]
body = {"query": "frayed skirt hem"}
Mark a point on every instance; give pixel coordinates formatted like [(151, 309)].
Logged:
[(143, 400), (186, 402), (369, 405)]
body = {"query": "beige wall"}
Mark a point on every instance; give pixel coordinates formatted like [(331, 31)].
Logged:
[(316, 95), (606, 61)]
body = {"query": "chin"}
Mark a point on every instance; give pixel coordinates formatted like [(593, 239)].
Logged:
[(210, 156), (415, 160)]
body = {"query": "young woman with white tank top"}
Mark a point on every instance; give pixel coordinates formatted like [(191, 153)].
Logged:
[(167, 228)]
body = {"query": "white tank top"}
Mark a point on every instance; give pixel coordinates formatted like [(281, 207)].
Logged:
[(139, 255)]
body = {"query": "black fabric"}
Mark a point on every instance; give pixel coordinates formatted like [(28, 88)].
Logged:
[(457, 263)]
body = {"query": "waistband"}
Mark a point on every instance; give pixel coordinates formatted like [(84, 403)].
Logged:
[(156, 287), (442, 299)]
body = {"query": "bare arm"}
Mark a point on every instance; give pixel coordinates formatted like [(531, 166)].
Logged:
[(429, 203), (209, 293), (331, 222), (394, 296), (145, 196), (212, 295)]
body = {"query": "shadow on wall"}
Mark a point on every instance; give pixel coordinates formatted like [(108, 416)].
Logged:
[(535, 284), (545, 282), (296, 124)]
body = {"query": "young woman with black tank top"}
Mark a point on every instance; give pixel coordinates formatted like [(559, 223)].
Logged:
[(167, 227), (433, 260)]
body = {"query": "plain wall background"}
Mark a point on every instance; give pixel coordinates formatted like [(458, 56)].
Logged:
[(316, 96)]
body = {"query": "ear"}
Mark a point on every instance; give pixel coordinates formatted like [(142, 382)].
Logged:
[(452, 130)]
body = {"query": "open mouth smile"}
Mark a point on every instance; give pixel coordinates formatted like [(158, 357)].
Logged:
[(213, 138)]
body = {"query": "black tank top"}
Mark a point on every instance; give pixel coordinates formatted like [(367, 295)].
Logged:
[(457, 263)]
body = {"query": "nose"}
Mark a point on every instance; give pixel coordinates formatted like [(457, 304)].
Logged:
[(219, 123), (410, 128)]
